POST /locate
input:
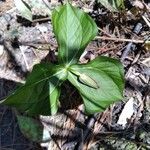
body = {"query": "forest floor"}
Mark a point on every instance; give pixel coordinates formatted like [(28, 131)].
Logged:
[(125, 125)]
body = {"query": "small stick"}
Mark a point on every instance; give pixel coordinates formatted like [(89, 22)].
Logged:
[(120, 40), (131, 46), (146, 20), (104, 32)]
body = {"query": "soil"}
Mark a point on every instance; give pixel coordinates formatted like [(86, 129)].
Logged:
[(71, 128)]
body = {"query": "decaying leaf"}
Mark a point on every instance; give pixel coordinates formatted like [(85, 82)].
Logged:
[(24, 9), (126, 113), (113, 5)]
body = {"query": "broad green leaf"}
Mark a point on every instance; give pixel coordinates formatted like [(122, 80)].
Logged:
[(54, 93), (108, 74), (73, 29), (113, 5), (23, 9), (33, 97), (31, 128), (91, 107)]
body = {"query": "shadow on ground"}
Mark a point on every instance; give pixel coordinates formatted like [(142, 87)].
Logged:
[(10, 135)]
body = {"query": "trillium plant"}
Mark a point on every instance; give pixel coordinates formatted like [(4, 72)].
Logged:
[(99, 82)]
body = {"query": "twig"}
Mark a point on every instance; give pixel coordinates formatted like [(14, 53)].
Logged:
[(146, 20), (120, 40), (126, 51), (104, 32), (131, 46), (41, 19)]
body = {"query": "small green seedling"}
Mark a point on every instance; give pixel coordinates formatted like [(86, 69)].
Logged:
[(99, 82)]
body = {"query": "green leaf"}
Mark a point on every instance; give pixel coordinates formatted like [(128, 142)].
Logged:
[(24, 9), (33, 97), (73, 29), (91, 107), (113, 5), (54, 93), (108, 75), (31, 128)]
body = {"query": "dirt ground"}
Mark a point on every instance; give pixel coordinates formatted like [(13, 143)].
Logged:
[(71, 129)]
